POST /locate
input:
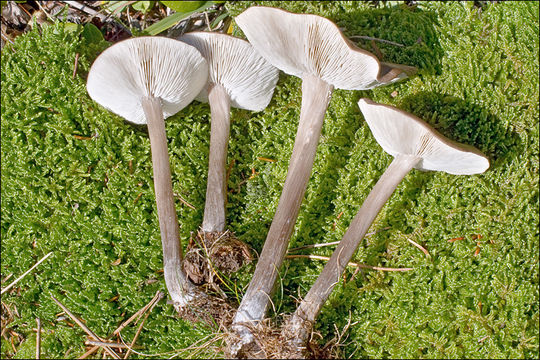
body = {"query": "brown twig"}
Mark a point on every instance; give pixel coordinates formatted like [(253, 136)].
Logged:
[(325, 258), (85, 328), (13, 344), (376, 49), (130, 348), (207, 21), (137, 198), (45, 11), (7, 278), (420, 247), (80, 137), (481, 340), (265, 159), (15, 306), (207, 253), (75, 65), (111, 344), (89, 352), (159, 295), (332, 243), (38, 339), (93, 13), (4, 331), (335, 221), (10, 314), (26, 273), (23, 9), (376, 39), (85, 9), (214, 337), (7, 39), (184, 201)]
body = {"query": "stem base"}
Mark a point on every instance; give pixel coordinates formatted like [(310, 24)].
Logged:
[(181, 290), (316, 95)]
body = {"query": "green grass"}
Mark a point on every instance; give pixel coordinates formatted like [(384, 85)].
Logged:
[(477, 84)]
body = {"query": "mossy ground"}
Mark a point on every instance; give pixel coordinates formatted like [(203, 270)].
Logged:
[(77, 181)]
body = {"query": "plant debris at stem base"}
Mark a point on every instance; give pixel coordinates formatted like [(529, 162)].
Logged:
[(210, 254), (271, 342)]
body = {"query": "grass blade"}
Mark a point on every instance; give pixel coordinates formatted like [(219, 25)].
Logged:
[(171, 20)]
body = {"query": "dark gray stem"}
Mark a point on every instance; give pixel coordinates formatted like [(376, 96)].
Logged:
[(316, 95), (301, 321), (180, 288), (216, 190)]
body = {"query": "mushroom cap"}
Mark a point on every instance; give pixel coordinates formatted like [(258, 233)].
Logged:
[(302, 44), (233, 63), (401, 133), (146, 66)]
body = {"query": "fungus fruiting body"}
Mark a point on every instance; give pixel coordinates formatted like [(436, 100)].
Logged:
[(238, 77), (314, 49), (413, 144), (146, 80)]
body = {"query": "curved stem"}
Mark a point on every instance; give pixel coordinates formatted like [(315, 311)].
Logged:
[(216, 189), (316, 95), (311, 305), (180, 288)]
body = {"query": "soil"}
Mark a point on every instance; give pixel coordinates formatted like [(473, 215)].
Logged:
[(274, 342), (208, 258), (115, 26), (211, 254), (209, 310)]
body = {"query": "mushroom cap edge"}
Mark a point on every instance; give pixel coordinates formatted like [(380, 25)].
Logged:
[(399, 132), (134, 68), (233, 63)]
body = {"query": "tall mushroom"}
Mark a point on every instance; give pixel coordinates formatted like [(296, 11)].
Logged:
[(413, 144), (239, 77), (146, 80), (314, 49)]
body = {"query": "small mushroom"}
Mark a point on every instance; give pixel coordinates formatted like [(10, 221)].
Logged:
[(146, 80), (314, 49), (239, 77), (413, 144)]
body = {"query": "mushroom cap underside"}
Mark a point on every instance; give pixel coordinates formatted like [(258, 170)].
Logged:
[(142, 67), (401, 133), (234, 64), (305, 44)]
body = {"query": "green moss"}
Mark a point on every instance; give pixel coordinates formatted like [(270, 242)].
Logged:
[(91, 201)]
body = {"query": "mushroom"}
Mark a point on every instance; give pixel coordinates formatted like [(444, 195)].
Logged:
[(413, 144), (239, 77), (314, 49), (146, 80)]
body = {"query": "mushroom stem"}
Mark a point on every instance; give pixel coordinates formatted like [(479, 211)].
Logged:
[(180, 288), (316, 95), (216, 190), (302, 320)]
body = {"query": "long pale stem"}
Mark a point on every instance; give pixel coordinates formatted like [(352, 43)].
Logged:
[(316, 95), (216, 190), (180, 288), (309, 308)]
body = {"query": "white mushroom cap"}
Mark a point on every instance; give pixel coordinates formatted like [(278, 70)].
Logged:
[(303, 44), (146, 66), (233, 63), (401, 133)]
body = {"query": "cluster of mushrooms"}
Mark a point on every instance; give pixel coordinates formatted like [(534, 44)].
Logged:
[(148, 79)]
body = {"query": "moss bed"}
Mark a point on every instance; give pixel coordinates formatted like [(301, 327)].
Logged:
[(77, 181)]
